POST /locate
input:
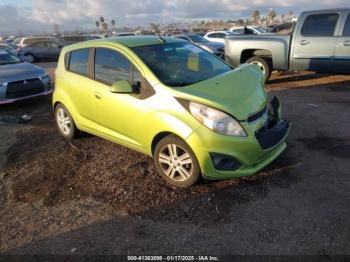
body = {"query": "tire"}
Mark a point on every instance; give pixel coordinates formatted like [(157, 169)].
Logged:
[(30, 58), (176, 171), (263, 63), (65, 122)]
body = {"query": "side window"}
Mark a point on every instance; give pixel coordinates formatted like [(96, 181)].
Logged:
[(78, 62), (238, 31), (346, 31), (320, 25), (52, 44), (220, 35), (110, 66), (39, 44), (212, 35)]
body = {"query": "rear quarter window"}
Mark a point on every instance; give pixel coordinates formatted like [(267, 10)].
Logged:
[(78, 61)]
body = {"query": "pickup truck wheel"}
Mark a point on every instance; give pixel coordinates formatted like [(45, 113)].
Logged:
[(263, 64)]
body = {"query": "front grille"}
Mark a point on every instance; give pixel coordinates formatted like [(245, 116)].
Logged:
[(23, 88), (254, 117)]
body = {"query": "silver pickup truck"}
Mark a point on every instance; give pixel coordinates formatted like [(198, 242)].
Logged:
[(320, 41)]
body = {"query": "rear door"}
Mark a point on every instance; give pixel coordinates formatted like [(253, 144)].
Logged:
[(38, 49), (342, 51), (315, 41), (80, 85), (53, 50)]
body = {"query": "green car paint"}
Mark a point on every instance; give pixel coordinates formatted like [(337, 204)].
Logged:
[(139, 123)]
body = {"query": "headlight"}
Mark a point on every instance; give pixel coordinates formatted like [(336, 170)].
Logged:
[(216, 120), (45, 77)]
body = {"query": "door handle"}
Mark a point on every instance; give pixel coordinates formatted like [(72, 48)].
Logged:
[(98, 95), (345, 43), (304, 42)]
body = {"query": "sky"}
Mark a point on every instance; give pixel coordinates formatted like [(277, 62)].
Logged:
[(40, 15)]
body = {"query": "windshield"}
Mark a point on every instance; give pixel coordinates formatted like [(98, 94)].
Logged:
[(7, 58), (198, 39), (181, 64)]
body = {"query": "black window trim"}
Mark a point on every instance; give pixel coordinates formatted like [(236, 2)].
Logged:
[(314, 14)]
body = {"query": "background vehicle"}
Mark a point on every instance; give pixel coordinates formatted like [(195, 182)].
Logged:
[(23, 41), (319, 42), (93, 37), (21, 80), (41, 50), (71, 39), (207, 118), (217, 36), (245, 30), (8, 48), (213, 47), (125, 34)]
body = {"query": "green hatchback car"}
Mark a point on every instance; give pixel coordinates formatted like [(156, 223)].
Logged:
[(167, 98)]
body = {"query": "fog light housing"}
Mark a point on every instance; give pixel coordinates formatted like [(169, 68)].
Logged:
[(224, 162)]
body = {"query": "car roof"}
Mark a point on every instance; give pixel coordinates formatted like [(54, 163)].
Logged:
[(135, 41), (221, 31), (328, 10)]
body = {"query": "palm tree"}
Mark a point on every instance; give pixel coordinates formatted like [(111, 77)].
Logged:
[(102, 20), (97, 23), (256, 16), (272, 14), (113, 23), (104, 26)]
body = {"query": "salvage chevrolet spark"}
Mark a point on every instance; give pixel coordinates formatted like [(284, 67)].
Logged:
[(165, 97)]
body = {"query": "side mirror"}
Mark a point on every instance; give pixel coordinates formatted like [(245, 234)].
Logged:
[(121, 86)]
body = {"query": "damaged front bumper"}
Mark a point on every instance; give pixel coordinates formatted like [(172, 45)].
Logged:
[(264, 143)]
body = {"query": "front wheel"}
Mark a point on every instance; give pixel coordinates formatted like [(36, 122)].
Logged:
[(176, 162), (263, 63)]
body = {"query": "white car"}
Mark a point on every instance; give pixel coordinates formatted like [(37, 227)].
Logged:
[(218, 36), (253, 30)]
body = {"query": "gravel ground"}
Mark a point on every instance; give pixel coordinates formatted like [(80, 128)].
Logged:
[(91, 196)]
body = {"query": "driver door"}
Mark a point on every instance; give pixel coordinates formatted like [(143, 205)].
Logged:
[(120, 116)]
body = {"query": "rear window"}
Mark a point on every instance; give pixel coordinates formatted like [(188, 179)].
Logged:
[(78, 61), (320, 25)]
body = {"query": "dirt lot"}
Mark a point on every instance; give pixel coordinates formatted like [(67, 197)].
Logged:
[(91, 196)]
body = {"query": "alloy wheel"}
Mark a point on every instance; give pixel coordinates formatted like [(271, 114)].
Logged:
[(64, 122), (175, 162), (260, 65)]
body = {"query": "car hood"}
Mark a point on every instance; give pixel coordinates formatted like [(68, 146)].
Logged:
[(20, 71), (239, 92)]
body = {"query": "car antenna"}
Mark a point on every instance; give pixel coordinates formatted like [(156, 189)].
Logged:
[(156, 29)]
